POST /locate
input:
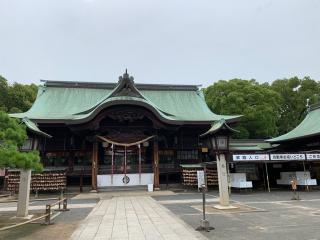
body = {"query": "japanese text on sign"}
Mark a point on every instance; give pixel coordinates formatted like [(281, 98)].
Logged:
[(250, 157), (313, 156), (287, 157)]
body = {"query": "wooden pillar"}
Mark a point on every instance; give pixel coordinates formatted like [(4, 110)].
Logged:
[(94, 168), (156, 163), (71, 161), (266, 165)]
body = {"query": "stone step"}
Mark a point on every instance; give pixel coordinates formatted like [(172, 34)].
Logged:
[(123, 188)]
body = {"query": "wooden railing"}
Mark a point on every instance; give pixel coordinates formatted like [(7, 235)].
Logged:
[(47, 216), (64, 201)]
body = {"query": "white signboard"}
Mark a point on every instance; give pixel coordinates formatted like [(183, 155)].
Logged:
[(250, 157), (313, 156), (201, 180), (287, 157)]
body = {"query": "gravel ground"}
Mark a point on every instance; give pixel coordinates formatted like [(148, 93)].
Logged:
[(64, 224)]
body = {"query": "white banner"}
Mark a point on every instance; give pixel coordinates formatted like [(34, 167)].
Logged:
[(131, 179), (313, 156), (287, 157), (250, 157), (275, 157)]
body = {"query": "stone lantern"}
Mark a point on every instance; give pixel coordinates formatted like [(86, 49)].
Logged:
[(218, 137)]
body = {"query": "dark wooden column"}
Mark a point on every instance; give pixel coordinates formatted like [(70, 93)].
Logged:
[(94, 169), (71, 161), (156, 163)]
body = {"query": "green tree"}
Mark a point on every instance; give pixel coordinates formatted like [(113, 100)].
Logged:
[(16, 97), (294, 93), (257, 102), (3, 93), (12, 137), (21, 97)]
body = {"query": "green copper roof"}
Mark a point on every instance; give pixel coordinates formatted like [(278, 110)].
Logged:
[(34, 128), (238, 145), (217, 126), (75, 102), (309, 127)]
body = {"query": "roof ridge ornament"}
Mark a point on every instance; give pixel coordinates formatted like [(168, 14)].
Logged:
[(126, 87), (308, 105), (126, 77)]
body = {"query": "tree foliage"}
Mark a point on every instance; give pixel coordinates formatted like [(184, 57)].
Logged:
[(258, 104), (12, 137), (294, 94), (269, 110), (16, 97)]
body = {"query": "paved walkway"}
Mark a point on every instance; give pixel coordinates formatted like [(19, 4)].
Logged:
[(133, 218)]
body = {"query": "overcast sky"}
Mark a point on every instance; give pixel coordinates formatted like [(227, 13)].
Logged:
[(159, 41)]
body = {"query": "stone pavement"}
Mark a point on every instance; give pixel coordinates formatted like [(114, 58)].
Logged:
[(277, 216), (133, 217)]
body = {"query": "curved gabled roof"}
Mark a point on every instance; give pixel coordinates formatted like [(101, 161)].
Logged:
[(309, 127), (218, 126), (34, 128), (76, 102)]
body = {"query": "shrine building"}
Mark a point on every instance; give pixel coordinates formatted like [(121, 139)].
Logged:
[(120, 134), (275, 162)]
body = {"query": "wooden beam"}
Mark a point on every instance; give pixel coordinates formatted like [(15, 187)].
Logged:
[(156, 163), (94, 167)]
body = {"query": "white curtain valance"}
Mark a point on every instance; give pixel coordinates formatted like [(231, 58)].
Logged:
[(126, 144)]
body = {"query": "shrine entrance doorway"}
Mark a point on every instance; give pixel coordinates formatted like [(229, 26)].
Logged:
[(125, 164)]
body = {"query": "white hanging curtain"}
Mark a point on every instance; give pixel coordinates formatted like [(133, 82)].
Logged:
[(125, 144)]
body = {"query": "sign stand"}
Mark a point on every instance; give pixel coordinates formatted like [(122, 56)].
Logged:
[(204, 223)]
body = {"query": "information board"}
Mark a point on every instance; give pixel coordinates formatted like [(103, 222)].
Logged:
[(200, 176)]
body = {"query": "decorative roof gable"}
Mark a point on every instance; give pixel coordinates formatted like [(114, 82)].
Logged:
[(126, 87), (217, 126), (34, 128)]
